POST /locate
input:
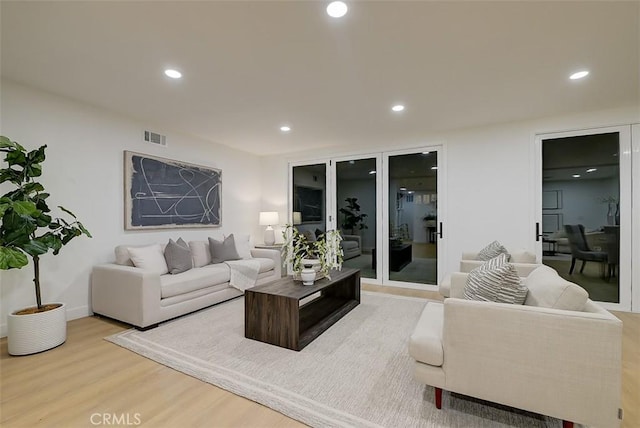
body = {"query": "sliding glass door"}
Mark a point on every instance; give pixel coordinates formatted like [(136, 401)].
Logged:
[(310, 203), (414, 227), (584, 226)]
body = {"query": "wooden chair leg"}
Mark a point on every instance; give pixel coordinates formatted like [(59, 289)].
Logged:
[(573, 264), (567, 424), (439, 399)]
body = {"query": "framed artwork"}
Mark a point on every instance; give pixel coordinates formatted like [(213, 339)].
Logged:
[(552, 223), (309, 202), (163, 193)]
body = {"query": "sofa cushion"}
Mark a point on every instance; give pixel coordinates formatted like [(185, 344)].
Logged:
[(149, 258), (548, 290), (425, 344), (497, 281), (243, 246), (522, 256), (194, 279), (200, 253), (178, 256), (349, 245), (492, 250), (223, 250), (123, 258)]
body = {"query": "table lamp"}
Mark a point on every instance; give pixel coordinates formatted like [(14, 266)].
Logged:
[(297, 217), (269, 218)]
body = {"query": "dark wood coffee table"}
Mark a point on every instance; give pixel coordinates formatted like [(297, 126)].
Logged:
[(273, 313)]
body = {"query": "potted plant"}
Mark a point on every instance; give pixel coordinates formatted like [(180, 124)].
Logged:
[(353, 220), (321, 255), (28, 229)]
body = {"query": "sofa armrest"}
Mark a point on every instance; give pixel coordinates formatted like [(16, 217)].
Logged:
[(565, 364), (272, 254), (126, 293), (356, 238), (458, 280)]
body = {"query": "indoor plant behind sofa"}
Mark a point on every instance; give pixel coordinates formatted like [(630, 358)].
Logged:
[(28, 229)]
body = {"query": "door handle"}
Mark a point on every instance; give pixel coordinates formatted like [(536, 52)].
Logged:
[(538, 234), (441, 233)]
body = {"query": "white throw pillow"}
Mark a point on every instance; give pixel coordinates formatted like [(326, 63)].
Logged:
[(495, 281), (243, 246), (149, 258)]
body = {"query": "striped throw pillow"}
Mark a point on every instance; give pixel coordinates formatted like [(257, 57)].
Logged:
[(493, 250), (495, 281)]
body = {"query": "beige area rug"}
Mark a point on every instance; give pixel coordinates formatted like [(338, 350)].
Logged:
[(356, 374)]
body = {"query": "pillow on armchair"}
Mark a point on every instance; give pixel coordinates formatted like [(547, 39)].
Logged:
[(496, 280)]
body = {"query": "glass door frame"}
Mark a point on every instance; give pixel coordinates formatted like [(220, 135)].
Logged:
[(624, 157), (441, 214), (334, 190), (635, 227)]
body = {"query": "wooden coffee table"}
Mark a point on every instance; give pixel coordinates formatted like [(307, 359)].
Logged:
[(273, 313)]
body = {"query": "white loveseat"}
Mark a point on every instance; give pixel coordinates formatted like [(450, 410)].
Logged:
[(564, 363), (144, 298)]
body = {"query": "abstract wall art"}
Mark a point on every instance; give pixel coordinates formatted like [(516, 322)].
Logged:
[(164, 193)]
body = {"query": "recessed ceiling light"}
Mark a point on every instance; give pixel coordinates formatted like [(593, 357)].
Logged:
[(434, 167), (372, 171), (403, 188), (397, 107), (337, 9), (174, 74), (410, 192), (579, 75), (285, 128), (576, 175), (592, 169)]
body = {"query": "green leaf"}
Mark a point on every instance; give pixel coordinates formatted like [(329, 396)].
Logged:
[(84, 230), (37, 156), (11, 258), (67, 211), (32, 187), (34, 170), (26, 208), (5, 142), (16, 157), (35, 247)]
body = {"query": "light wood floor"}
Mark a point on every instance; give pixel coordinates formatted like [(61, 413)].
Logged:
[(88, 379)]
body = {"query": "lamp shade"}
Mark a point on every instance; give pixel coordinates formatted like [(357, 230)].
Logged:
[(297, 217), (269, 218)]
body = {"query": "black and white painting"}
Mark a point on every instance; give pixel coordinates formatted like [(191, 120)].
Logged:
[(164, 193)]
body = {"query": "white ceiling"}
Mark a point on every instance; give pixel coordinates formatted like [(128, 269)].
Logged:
[(250, 67)]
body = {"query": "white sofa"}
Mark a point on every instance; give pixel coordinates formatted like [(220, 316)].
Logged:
[(564, 363), (351, 246), (523, 261), (143, 298)]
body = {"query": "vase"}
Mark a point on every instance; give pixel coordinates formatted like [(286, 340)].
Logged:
[(617, 215), (33, 333), (308, 275), (610, 216)]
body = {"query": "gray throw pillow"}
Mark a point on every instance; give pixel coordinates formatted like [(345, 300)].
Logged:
[(222, 251), (493, 250), (495, 281), (178, 256)]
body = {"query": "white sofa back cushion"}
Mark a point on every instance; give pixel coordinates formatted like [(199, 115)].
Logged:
[(523, 256), (243, 245), (123, 258), (548, 290), (200, 253)]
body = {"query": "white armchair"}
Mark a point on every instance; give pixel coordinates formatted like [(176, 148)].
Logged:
[(351, 246), (537, 356)]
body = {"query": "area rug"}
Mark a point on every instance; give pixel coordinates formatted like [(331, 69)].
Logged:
[(358, 373)]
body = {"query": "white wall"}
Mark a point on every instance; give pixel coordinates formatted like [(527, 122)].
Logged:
[(84, 173), (489, 178)]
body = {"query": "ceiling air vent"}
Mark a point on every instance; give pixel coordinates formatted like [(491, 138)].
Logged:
[(155, 138)]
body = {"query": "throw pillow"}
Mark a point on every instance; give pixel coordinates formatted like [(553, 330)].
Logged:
[(311, 237), (178, 256), (243, 246), (492, 250), (149, 258), (222, 251), (495, 281)]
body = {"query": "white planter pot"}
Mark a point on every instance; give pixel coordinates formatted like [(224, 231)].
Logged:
[(32, 333), (308, 275)]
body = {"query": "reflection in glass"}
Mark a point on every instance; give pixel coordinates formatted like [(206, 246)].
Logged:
[(309, 196), (413, 207), (581, 211), (356, 204)]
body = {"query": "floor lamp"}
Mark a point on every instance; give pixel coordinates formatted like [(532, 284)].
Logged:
[(269, 218)]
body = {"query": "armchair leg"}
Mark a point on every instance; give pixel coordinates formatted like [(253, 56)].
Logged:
[(439, 399), (567, 424), (584, 262), (573, 264)]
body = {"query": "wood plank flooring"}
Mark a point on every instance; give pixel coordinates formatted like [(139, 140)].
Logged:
[(88, 377)]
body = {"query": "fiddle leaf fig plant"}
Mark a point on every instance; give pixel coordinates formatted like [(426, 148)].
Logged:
[(27, 228)]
